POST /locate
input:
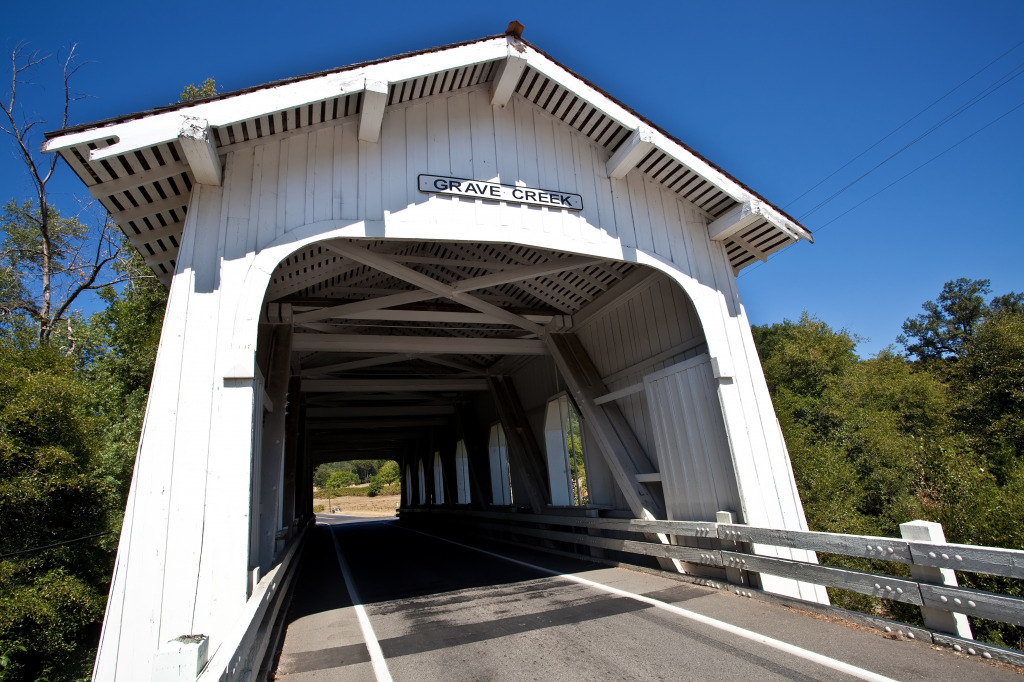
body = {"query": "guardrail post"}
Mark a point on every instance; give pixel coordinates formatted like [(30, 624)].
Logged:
[(736, 576), (935, 619)]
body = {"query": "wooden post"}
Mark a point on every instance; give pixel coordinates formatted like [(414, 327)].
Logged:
[(476, 453), (935, 619), (524, 453), (736, 576)]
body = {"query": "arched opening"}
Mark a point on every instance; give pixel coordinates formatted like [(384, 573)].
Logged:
[(477, 366)]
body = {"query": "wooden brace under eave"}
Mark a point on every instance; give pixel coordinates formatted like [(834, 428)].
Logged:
[(200, 152)]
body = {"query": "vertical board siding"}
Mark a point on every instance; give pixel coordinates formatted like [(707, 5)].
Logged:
[(328, 174), (653, 321), (693, 451)]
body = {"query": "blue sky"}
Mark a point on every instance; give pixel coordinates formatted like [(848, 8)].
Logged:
[(778, 94)]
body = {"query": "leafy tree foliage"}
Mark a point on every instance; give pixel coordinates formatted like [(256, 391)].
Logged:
[(949, 322), (51, 491), (936, 436), (208, 88), (47, 261), (387, 476)]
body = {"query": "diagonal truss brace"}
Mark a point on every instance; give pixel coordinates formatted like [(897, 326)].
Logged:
[(432, 288)]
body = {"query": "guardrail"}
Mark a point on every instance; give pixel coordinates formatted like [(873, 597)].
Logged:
[(728, 546)]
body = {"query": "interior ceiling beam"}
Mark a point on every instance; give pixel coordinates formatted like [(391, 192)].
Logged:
[(368, 343), (377, 303), (378, 411), (390, 385), (348, 424), (393, 315), (313, 372), (458, 291)]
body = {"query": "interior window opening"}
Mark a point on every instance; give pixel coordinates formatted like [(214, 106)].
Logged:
[(438, 480), (501, 480), (423, 484), (461, 473), (563, 438)]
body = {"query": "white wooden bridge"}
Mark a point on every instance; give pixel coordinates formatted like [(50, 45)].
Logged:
[(475, 262)]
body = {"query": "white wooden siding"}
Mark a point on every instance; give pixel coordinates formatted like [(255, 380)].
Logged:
[(637, 336)]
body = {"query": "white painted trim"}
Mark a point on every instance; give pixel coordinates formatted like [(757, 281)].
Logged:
[(631, 152), (200, 152), (507, 77), (371, 114)]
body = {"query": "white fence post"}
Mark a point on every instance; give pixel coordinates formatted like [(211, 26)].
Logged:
[(935, 619)]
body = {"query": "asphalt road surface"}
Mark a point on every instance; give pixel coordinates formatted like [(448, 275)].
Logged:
[(375, 601)]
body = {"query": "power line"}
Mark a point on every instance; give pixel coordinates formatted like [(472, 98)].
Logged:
[(1006, 79), (897, 180), (904, 124), (59, 544)]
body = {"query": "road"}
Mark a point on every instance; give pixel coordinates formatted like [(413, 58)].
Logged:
[(435, 610)]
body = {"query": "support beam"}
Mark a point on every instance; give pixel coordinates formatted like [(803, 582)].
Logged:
[(385, 264), (434, 316), (506, 79), (371, 114), (631, 152), (314, 372), (200, 151), (524, 453), (735, 220), (389, 385), (379, 411), (625, 457), (368, 343), (378, 303), (350, 424)]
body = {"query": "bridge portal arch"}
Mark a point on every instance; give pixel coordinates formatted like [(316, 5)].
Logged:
[(407, 252)]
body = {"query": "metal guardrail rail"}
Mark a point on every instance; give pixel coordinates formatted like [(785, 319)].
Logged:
[(730, 555)]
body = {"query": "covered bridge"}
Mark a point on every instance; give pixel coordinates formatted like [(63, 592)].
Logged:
[(468, 259)]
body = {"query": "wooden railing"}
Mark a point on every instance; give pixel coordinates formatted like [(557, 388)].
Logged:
[(732, 546)]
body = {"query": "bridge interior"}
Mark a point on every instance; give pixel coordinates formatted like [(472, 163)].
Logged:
[(465, 363)]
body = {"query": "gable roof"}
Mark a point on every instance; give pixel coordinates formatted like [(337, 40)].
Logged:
[(136, 167)]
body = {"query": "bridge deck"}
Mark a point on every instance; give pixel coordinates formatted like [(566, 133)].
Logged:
[(443, 611)]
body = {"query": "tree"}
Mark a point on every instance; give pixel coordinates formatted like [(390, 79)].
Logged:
[(51, 600), (342, 479), (192, 92), (945, 326), (46, 260)]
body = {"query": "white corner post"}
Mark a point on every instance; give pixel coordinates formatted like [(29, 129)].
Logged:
[(181, 659), (935, 619)]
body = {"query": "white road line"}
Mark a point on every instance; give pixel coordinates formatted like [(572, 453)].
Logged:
[(852, 670), (380, 666)]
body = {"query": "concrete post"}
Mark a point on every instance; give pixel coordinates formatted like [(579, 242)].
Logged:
[(935, 619), (181, 659)]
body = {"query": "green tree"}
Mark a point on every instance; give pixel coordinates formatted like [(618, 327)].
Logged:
[(949, 322), (988, 382), (192, 92), (387, 475), (342, 479), (51, 601), (47, 261)]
